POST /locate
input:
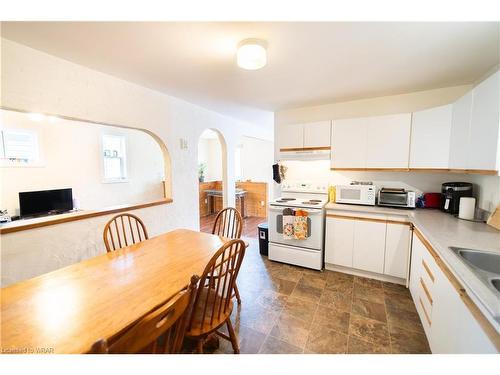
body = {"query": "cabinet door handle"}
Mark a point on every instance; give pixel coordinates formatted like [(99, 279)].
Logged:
[(424, 287), (428, 270), (425, 311)]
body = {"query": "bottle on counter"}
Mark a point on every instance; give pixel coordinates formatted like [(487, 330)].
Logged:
[(331, 193)]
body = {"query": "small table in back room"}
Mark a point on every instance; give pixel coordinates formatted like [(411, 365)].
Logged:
[(239, 194)]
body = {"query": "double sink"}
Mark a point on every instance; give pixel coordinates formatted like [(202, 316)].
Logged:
[(484, 264)]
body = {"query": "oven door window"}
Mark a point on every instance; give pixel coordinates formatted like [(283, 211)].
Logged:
[(395, 199)]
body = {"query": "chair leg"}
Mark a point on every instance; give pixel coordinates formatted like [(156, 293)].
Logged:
[(237, 294), (199, 346), (232, 335)]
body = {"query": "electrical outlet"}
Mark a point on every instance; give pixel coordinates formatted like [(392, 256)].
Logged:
[(206, 201), (262, 203)]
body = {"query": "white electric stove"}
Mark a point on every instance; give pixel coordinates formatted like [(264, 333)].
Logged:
[(308, 197)]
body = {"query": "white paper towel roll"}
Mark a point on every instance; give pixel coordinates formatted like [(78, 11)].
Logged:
[(467, 208)]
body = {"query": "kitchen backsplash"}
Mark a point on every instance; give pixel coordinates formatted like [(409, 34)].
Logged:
[(486, 188)]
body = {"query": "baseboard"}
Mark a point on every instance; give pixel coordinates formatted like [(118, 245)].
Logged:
[(368, 274)]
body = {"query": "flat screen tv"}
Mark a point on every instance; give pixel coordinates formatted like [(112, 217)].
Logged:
[(45, 202)]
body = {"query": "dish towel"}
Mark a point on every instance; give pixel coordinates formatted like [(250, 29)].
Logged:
[(288, 221), (300, 227)]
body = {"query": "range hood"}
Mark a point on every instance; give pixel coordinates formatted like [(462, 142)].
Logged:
[(305, 154)]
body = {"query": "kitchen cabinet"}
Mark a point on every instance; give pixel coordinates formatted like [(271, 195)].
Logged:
[(459, 135), (369, 246), (291, 136), (371, 142), (372, 243), (388, 141), (484, 125), (305, 136), (317, 134), (448, 324), (397, 243), (339, 241), (430, 138), (349, 143)]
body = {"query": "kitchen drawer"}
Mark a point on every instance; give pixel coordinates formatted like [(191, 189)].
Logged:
[(426, 298)]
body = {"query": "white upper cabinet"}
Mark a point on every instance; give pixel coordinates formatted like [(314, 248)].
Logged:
[(291, 136), (430, 138), (349, 143), (484, 125), (459, 137), (317, 134), (388, 141)]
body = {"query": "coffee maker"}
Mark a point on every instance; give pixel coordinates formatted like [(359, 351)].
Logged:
[(451, 193)]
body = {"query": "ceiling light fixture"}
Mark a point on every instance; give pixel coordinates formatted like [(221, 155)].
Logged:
[(251, 54)]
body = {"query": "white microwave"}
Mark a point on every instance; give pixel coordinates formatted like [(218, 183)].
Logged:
[(356, 194)]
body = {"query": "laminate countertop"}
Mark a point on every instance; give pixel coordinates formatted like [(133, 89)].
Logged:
[(444, 231)]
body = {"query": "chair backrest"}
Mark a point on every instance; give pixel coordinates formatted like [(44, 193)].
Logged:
[(124, 230), (228, 223), (216, 284), (160, 331)]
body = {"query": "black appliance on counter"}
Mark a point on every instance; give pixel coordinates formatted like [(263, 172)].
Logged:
[(451, 193), (45, 202)]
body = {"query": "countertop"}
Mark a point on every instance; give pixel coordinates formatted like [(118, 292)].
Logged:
[(444, 231)]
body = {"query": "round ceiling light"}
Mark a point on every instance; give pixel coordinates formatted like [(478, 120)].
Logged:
[(251, 54)]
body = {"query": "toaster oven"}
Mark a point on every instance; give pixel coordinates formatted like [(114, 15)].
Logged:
[(396, 198)]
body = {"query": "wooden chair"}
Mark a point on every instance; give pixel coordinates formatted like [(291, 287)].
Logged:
[(229, 223), (213, 305), (160, 331), (124, 230)]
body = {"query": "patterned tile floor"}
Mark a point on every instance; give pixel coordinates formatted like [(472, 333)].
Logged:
[(287, 309)]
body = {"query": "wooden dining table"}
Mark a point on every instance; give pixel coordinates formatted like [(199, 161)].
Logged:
[(67, 310)]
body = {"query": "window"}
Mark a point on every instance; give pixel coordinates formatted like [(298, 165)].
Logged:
[(114, 158), (19, 146)]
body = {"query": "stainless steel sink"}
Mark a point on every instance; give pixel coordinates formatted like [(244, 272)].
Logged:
[(486, 261), (484, 264)]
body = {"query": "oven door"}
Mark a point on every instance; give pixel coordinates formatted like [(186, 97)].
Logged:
[(315, 225)]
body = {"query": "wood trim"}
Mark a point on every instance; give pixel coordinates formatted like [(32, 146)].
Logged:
[(361, 218), (426, 291), (428, 270), (17, 226), (326, 148), (371, 169), (425, 311), (469, 303), (489, 172)]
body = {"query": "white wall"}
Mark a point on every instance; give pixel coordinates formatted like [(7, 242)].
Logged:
[(70, 153), (210, 153), (37, 82), (257, 157), (487, 188)]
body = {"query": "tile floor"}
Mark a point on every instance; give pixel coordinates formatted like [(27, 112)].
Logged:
[(287, 309)]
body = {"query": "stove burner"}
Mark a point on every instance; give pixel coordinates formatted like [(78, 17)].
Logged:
[(287, 199), (315, 200)]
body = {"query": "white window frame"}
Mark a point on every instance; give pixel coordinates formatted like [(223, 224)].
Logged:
[(124, 165), (20, 162)]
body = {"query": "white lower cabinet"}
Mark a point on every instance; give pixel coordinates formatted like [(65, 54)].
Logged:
[(397, 243), (369, 246), (448, 323), (339, 241)]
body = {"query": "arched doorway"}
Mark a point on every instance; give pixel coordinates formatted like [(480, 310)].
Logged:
[(212, 176)]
